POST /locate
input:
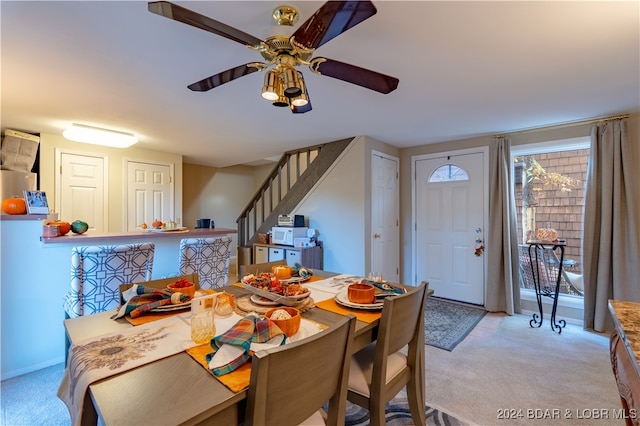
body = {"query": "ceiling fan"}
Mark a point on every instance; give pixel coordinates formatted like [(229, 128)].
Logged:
[(283, 83)]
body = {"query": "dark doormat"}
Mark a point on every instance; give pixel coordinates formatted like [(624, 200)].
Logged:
[(447, 323)]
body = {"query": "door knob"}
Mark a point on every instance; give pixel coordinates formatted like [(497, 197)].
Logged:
[(377, 235)]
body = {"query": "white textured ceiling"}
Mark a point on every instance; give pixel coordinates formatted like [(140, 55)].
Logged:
[(465, 69)]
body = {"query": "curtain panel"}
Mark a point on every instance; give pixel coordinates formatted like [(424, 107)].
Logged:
[(503, 287), (611, 239)]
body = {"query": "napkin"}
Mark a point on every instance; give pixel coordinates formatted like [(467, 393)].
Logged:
[(233, 348), (300, 271), (386, 289), (140, 299)]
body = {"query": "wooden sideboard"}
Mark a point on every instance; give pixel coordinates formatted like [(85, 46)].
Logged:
[(625, 356)]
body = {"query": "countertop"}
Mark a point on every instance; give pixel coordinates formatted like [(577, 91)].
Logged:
[(92, 238), (626, 315)]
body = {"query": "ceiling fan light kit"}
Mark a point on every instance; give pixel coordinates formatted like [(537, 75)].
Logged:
[(283, 84), (271, 83)]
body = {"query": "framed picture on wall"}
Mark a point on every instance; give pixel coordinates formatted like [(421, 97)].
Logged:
[(36, 202)]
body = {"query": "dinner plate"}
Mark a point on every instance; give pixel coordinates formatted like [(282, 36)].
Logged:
[(343, 299), (307, 328), (259, 300)]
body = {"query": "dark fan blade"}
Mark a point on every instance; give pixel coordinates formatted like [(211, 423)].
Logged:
[(350, 73), (179, 13), (331, 20), (223, 77)]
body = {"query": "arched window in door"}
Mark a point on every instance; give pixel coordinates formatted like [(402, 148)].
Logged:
[(448, 173)]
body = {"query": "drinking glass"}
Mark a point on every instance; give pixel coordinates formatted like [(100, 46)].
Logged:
[(203, 326)]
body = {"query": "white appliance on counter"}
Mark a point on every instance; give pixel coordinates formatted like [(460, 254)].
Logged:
[(285, 235)]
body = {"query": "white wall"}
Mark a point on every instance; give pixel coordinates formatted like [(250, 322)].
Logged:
[(217, 193), (116, 172), (339, 207), (336, 208)]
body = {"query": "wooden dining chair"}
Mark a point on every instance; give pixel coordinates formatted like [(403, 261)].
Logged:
[(256, 268), (290, 384), (380, 370)]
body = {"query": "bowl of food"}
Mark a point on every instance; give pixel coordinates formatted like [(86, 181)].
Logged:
[(286, 318), (183, 286), (361, 293)]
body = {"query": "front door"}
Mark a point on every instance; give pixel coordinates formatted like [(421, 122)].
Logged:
[(149, 194), (385, 251), (450, 219)]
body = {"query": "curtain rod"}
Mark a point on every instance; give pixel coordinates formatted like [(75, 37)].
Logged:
[(560, 126)]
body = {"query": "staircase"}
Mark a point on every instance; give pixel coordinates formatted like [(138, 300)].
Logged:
[(287, 184)]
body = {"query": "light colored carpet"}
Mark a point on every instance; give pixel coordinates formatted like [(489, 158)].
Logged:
[(505, 365)]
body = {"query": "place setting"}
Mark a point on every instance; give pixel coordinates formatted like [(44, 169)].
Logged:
[(363, 297)]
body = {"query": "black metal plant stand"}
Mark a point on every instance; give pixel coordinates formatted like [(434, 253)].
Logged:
[(547, 291)]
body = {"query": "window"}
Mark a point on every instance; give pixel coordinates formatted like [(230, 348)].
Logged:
[(550, 192), (448, 173)]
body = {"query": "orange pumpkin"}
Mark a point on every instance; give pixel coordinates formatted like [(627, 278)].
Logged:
[(63, 227), (14, 205)]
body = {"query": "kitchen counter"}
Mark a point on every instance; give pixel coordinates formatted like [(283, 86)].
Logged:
[(36, 274), (23, 216), (90, 238)]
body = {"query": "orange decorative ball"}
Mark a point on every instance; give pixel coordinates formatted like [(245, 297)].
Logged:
[(63, 227), (14, 205)]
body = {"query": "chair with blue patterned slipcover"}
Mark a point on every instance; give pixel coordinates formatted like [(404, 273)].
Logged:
[(98, 271), (208, 257)]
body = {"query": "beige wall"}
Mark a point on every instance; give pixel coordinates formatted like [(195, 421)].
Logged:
[(117, 158), (217, 193), (523, 138)]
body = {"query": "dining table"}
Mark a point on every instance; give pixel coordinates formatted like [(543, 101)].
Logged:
[(177, 390)]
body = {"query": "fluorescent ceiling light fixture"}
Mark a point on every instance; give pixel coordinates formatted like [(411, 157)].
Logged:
[(98, 136)]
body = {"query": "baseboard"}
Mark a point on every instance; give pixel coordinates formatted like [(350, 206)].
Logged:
[(31, 368), (570, 308)]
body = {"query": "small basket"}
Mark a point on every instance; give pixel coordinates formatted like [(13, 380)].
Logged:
[(288, 326), (263, 239)]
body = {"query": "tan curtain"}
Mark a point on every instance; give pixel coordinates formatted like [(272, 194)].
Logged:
[(611, 220), (503, 288)]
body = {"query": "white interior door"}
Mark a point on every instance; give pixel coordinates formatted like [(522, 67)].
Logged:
[(385, 250), (450, 206), (149, 194), (82, 188)]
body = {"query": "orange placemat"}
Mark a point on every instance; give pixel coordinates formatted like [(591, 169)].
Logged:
[(332, 306), (236, 381)]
